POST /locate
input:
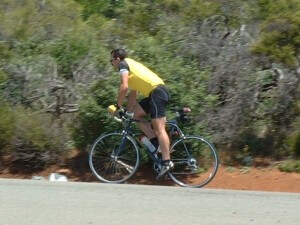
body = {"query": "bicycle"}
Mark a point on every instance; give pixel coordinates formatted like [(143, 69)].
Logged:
[(115, 157)]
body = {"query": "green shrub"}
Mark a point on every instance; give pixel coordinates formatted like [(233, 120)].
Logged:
[(106, 8), (290, 166), (93, 118), (294, 143), (68, 51), (4, 51), (200, 9), (268, 8), (37, 141), (280, 33), (3, 80), (6, 125)]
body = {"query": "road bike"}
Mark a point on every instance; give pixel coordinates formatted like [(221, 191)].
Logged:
[(115, 157)]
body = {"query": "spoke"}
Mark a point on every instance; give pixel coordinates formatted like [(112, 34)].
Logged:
[(111, 167), (127, 159), (127, 167), (123, 170), (101, 157), (107, 169), (118, 169), (101, 169), (102, 151)]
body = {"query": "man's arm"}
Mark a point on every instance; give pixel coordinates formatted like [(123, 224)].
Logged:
[(123, 88), (131, 100)]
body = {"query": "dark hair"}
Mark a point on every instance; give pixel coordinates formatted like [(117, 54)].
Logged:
[(119, 52)]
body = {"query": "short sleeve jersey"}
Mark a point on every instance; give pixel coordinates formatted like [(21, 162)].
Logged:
[(140, 77)]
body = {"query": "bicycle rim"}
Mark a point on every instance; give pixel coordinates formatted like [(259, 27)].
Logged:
[(195, 161), (112, 162)]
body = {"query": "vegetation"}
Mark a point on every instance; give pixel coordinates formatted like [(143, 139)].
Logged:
[(235, 63), (280, 33), (290, 166), (6, 125)]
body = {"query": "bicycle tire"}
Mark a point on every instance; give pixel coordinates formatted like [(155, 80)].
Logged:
[(108, 167), (195, 161)]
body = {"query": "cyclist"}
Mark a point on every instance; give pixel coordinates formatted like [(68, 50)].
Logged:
[(138, 78)]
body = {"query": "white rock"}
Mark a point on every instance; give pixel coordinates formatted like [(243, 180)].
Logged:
[(57, 177)]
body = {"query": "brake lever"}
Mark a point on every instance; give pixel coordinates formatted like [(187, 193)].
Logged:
[(120, 120), (126, 116)]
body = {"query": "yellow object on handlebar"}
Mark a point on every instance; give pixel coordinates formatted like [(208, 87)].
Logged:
[(112, 109)]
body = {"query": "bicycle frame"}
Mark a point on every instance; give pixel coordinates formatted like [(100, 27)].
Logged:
[(128, 131), (175, 127)]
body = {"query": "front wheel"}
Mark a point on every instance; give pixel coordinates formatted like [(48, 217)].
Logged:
[(114, 158), (195, 161)]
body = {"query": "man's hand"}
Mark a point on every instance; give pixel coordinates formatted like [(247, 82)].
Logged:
[(120, 113), (117, 112)]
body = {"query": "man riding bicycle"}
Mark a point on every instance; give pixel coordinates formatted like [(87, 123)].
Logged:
[(139, 78)]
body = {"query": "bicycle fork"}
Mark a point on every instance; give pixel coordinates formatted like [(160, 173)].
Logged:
[(116, 152)]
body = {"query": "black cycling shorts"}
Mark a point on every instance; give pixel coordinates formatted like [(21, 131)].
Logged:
[(156, 103)]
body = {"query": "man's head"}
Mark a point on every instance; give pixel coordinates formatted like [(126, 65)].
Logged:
[(117, 55)]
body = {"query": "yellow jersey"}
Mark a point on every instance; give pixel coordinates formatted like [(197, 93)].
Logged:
[(140, 77)]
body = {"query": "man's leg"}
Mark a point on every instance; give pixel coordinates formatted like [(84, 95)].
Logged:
[(139, 114), (159, 99), (159, 126)]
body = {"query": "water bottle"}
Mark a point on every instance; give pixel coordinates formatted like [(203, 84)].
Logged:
[(148, 144)]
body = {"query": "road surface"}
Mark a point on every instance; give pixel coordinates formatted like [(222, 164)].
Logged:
[(30, 202)]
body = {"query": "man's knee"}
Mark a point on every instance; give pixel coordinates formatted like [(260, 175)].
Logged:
[(160, 131), (138, 116)]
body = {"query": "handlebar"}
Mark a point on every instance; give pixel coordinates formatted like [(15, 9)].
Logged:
[(123, 116)]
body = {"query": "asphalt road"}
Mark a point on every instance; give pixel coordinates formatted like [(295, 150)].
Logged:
[(30, 202)]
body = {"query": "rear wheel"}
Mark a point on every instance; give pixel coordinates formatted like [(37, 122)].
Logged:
[(114, 158), (195, 161)]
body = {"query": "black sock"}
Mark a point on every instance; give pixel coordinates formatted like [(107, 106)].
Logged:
[(155, 142)]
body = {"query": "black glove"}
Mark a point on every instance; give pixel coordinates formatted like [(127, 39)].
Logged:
[(120, 113)]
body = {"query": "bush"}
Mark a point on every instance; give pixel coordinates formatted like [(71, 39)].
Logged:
[(200, 9), (69, 51), (106, 8), (290, 166), (6, 125), (294, 143), (37, 141), (93, 116), (3, 80), (280, 34), (268, 8), (6, 116)]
